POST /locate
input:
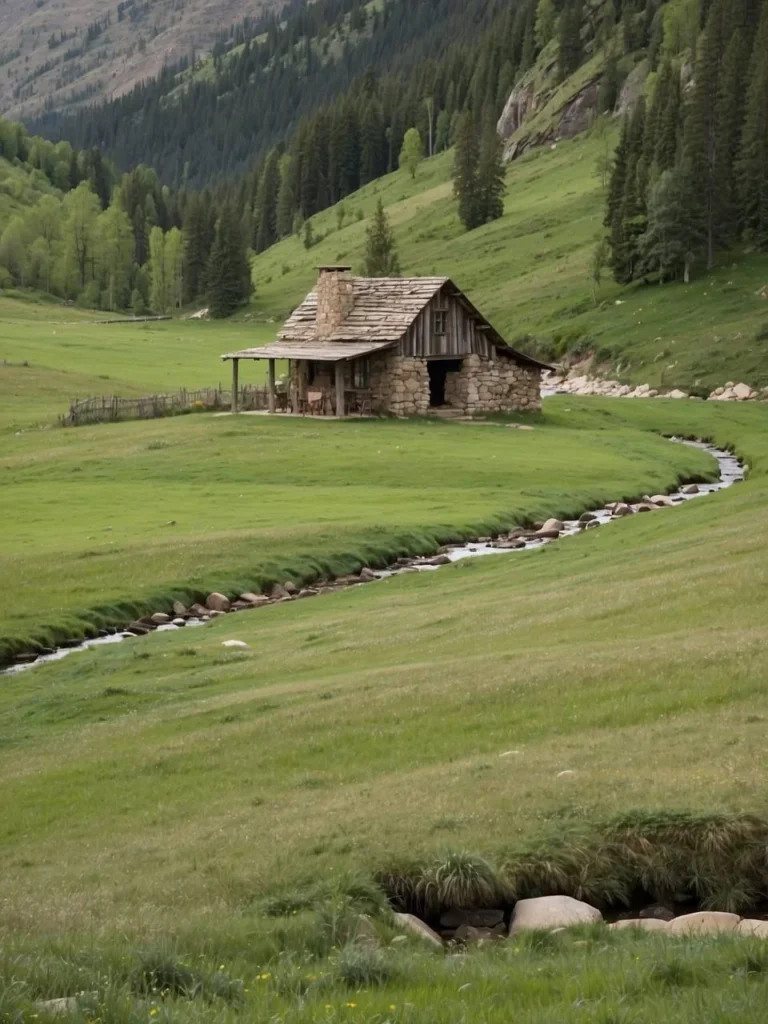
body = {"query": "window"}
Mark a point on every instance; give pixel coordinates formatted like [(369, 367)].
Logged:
[(441, 321), (361, 373)]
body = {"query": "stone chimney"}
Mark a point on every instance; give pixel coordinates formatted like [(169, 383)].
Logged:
[(335, 298)]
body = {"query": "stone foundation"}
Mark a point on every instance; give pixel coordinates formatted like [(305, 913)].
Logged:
[(400, 385), (493, 385)]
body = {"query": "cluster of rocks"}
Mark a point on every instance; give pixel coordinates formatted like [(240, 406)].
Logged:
[(555, 914), (583, 385)]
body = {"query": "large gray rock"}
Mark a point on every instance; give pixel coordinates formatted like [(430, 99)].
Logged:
[(706, 922), (179, 608), (646, 924), (160, 618), (217, 602), (553, 524), (548, 912), (58, 1007), (417, 927)]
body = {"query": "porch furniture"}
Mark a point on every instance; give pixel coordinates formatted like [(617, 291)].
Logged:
[(358, 401)]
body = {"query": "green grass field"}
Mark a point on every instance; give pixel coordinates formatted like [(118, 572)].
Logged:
[(172, 798), (529, 272)]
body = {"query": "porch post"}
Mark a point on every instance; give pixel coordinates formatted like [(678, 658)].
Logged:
[(271, 376), (235, 384), (340, 412)]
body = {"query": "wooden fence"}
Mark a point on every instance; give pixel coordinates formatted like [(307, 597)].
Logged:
[(110, 408)]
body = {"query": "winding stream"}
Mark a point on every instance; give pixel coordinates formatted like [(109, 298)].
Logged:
[(731, 472)]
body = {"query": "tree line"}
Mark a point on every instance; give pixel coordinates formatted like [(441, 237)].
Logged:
[(690, 173), (119, 242)]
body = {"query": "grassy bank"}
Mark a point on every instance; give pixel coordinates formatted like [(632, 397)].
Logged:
[(530, 271), (229, 808), (104, 521)]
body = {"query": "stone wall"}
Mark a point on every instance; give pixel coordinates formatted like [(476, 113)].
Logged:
[(493, 385), (335, 298), (399, 385)]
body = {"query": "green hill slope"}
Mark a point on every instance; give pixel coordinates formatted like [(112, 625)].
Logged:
[(530, 271)]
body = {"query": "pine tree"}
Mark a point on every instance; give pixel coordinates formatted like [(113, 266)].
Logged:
[(752, 166), (266, 202), (465, 172), (674, 235), (545, 22), (381, 259), (700, 125), (286, 197), (569, 37), (729, 119), (228, 267), (608, 92), (157, 290), (196, 248), (628, 208), (491, 183), (667, 138)]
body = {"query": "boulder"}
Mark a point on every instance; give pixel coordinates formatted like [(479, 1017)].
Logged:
[(458, 916), (547, 534), (179, 608), (742, 392), (138, 629), (238, 644), (254, 600), (438, 560), (160, 618), (677, 393), (409, 923), (198, 610), (662, 500), (646, 924), (217, 602), (57, 1007), (278, 593), (587, 517), (179, 622), (690, 489), (657, 911), (548, 912), (757, 929), (553, 524), (621, 509), (646, 506), (290, 588), (706, 922), (368, 575)]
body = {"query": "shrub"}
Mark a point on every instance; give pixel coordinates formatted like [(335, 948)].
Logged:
[(362, 966), (158, 971)]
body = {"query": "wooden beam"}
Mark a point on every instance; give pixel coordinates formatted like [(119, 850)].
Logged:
[(235, 384), (271, 377), (340, 412)]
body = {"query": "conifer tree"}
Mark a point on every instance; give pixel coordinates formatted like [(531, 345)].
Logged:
[(196, 244), (752, 167), (674, 234), (286, 197), (729, 119), (545, 22), (228, 267), (465, 173), (381, 259), (266, 202), (491, 183)]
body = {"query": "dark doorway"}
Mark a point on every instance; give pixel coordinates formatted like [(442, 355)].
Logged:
[(438, 371)]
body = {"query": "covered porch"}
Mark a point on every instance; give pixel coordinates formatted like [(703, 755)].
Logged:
[(324, 378)]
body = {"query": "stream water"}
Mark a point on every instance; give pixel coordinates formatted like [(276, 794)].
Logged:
[(731, 471)]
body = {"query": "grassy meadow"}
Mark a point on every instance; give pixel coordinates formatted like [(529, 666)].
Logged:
[(189, 831), (530, 271)]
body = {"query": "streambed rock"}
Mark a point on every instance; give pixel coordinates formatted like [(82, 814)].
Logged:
[(179, 609), (217, 602), (646, 924), (705, 922), (160, 618), (548, 912), (662, 500)]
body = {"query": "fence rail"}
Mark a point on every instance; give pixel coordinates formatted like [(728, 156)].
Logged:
[(111, 408)]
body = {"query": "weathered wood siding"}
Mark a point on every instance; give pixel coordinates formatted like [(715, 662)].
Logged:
[(460, 339)]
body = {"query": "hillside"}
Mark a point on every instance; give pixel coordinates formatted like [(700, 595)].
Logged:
[(530, 271), (59, 55)]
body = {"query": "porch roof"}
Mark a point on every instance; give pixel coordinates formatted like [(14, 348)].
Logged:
[(320, 351)]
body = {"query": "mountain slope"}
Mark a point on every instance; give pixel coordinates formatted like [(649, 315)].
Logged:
[(57, 55), (530, 272)]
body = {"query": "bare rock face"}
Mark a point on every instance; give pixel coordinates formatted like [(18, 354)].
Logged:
[(521, 102), (548, 912), (576, 115), (633, 88), (706, 922)]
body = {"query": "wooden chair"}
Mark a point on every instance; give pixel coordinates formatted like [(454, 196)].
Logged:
[(315, 403)]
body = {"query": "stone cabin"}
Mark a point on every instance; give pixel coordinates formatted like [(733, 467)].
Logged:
[(397, 346)]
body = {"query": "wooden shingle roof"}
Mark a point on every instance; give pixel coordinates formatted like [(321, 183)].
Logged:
[(383, 310)]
